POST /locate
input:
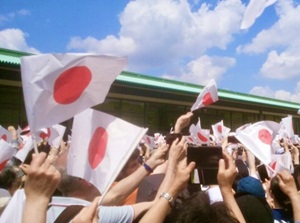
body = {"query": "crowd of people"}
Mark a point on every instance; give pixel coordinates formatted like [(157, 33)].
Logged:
[(153, 186)]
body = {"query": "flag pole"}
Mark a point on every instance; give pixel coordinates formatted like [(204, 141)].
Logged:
[(34, 144)]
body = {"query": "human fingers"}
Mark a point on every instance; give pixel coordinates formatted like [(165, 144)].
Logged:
[(37, 160), (87, 214)]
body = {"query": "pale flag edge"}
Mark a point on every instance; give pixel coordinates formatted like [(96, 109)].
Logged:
[(134, 144), (240, 136)]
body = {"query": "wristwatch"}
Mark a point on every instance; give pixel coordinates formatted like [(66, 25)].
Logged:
[(169, 198)]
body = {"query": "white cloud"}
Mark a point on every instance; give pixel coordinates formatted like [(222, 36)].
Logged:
[(15, 39), (203, 69), (283, 66), (283, 41), (10, 16), (262, 91), (161, 33), (109, 45), (279, 94)]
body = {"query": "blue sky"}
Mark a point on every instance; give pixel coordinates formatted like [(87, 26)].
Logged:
[(188, 40)]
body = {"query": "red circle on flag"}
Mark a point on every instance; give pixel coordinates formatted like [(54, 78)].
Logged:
[(201, 137), (219, 128), (97, 147), (265, 136), (2, 165), (45, 135), (4, 137), (207, 99), (71, 83)]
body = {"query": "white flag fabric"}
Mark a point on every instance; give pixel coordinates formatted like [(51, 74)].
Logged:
[(25, 147), (56, 134), (282, 162), (287, 123), (101, 145), (5, 135), (199, 136), (58, 86), (207, 96), (253, 10), (6, 152), (14, 209), (220, 131), (258, 139), (298, 112), (149, 140)]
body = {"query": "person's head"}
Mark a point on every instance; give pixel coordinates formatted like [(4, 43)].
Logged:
[(11, 178), (281, 200), (71, 186), (131, 166), (197, 208), (255, 209), (296, 176)]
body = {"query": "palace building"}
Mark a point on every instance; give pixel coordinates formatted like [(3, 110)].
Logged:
[(149, 101)]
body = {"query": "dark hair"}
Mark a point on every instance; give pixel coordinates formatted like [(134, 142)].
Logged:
[(41, 148), (254, 209), (281, 198), (296, 175), (7, 177), (197, 208)]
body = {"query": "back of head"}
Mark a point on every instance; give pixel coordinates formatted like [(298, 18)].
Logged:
[(71, 186), (197, 208), (281, 198), (296, 176), (254, 209)]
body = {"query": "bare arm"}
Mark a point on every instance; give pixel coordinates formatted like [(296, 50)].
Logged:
[(159, 211), (42, 180), (288, 186), (226, 175), (118, 193)]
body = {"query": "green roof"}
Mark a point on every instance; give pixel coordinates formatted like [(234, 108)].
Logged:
[(13, 57)]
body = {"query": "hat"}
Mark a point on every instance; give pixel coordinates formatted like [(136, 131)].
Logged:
[(250, 185)]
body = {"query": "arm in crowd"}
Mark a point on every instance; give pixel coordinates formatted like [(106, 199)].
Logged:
[(176, 154), (226, 175), (41, 182), (118, 193), (182, 122), (159, 211), (288, 186)]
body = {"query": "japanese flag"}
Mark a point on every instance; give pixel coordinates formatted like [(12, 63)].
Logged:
[(56, 134), (25, 147), (5, 135), (101, 145), (207, 96), (200, 136), (58, 86), (149, 140), (254, 9), (220, 131), (287, 124), (258, 139), (6, 152), (282, 162)]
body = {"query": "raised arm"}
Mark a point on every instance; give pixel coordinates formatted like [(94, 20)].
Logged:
[(226, 175), (161, 208), (118, 193), (288, 186), (41, 182)]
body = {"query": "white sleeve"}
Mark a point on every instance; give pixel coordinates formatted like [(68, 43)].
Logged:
[(116, 214)]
